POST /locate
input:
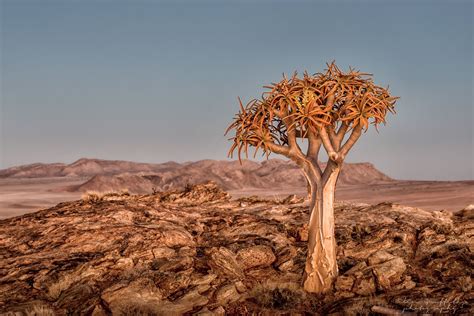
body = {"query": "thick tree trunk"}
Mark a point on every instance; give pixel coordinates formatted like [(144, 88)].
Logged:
[(321, 264)]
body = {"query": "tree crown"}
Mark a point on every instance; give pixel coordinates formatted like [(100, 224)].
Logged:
[(322, 108)]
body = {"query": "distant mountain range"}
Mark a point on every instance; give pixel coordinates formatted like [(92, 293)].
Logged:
[(108, 175)]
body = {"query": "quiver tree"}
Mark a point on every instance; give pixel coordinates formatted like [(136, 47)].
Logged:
[(328, 110)]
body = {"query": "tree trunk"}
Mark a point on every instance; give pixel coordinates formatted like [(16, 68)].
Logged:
[(321, 264)]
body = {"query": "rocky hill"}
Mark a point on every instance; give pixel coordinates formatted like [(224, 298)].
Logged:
[(197, 252), (105, 175), (83, 167)]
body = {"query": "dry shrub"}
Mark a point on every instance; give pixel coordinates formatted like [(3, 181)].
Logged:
[(92, 197), (55, 289), (32, 309), (138, 309), (40, 310), (95, 197), (280, 296)]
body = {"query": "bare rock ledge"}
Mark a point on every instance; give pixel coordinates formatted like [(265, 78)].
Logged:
[(198, 252)]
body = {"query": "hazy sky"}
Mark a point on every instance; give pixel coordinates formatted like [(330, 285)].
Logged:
[(155, 81)]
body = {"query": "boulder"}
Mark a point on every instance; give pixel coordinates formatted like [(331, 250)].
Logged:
[(141, 294), (389, 272), (224, 262), (344, 283), (227, 294), (256, 256), (364, 286)]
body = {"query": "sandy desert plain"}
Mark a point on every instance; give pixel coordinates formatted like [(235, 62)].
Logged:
[(235, 245)]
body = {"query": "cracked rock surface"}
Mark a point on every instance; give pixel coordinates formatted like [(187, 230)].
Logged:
[(199, 252)]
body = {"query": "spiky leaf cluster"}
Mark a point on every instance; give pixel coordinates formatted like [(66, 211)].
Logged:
[(311, 103)]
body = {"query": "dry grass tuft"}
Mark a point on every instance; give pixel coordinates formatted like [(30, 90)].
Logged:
[(92, 197), (32, 309), (95, 197), (40, 310), (55, 289), (281, 296), (137, 309)]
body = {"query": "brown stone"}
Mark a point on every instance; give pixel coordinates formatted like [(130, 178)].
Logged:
[(240, 286), (379, 257), (303, 233), (344, 283), (163, 252), (389, 272), (364, 286), (224, 262), (256, 256), (227, 294), (141, 292)]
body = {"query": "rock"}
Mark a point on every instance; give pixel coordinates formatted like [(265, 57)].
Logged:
[(187, 251), (364, 286), (99, 311), (467, 212), (303, 233), (124, 217), (173, 264), (379, 257), (140, 294), (389, 272), (362, 252), (124, 263), (188, 302), (285, 254), (204, 312), (357, 269), (292, 199), (344, 283), (224, 262), (406, 284), (287, 266), (227, 294), (172, 283), (219, 311), (197, 194), (163, 252), (176, 237), (256, 256), (144, 255), (240, 286), (465, 283), (202, 279)]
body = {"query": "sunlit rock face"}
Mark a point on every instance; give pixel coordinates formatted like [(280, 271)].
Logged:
[(198, 251)]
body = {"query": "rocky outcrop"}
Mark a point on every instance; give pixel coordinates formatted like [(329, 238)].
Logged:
[(197, 252)]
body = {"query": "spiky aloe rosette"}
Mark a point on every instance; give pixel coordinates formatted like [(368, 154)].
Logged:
[(329, 103)]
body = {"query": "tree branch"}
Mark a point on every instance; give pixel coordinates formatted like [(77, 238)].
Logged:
[(356, 132), (332, 136), (291, 132), (331, 166), (279, 149), (327, 143), (340, 134), (314, 146)]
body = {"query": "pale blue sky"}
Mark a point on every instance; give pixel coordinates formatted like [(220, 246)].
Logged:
[(155, 81)]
